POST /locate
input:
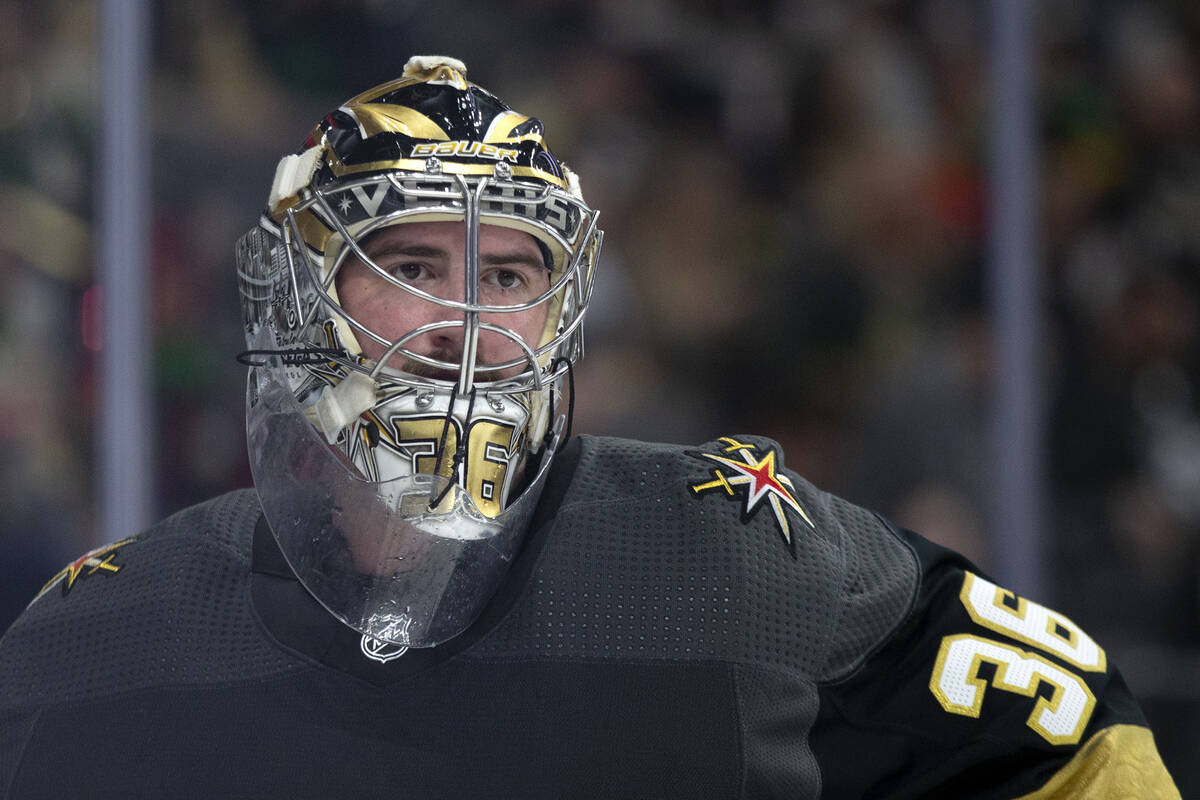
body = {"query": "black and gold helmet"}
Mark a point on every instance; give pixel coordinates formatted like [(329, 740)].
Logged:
[(433, 444), (433, 111)]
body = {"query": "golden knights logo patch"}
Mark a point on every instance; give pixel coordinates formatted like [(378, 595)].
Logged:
[(97, 562), (746, 473)]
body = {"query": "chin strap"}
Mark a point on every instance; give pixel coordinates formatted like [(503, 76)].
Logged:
[(337, 405), (342, 404)]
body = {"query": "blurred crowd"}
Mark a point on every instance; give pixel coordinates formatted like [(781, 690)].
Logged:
[(795, 200)]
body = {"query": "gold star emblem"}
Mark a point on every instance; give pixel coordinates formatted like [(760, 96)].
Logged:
[(760, 481), (99, 560)]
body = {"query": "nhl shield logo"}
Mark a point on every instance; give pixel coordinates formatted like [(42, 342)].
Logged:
[(385, 651)]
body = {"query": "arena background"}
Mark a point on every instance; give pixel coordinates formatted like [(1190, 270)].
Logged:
[(797, 202)]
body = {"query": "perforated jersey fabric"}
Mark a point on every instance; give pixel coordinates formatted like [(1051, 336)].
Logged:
[(182, 619), (685, 577), (644, 567), (680, 623)]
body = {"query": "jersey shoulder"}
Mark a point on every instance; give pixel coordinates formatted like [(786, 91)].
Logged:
[(715, 551), (981, 692), (165, 606)]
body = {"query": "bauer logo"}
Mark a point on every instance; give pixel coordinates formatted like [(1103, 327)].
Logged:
[(463, 148)]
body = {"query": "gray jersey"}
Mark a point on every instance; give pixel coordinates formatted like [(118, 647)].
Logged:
[(680, 622)]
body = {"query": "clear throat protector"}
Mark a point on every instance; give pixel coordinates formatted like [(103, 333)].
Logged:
[(411, 559)]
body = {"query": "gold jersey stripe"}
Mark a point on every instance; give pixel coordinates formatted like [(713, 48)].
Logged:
[(1118, 763)]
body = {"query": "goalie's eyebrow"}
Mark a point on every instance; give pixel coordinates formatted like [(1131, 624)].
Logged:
[(515, 258)]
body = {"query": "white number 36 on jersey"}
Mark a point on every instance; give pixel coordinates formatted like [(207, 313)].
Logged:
[(1062, 717)]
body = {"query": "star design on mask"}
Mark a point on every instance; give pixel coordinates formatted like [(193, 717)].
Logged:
[(756, 475), (344, 205)]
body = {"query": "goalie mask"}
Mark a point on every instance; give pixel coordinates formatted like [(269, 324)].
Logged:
[(413, 296)]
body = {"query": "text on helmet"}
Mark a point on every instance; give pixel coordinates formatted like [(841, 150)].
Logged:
[(464, 148)]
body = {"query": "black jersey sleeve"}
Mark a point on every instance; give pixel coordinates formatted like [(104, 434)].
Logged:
[(981, 693)]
